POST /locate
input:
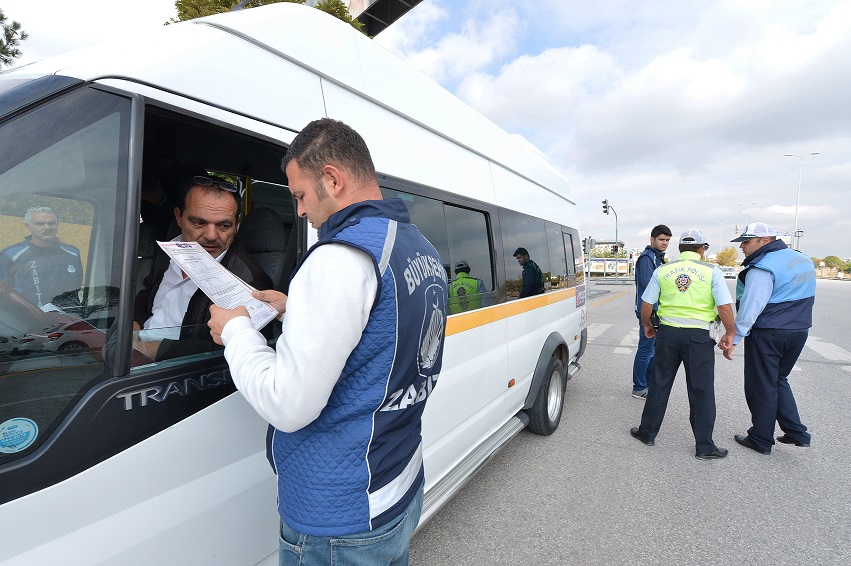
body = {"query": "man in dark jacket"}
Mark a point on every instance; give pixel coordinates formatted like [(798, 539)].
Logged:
[(652, 257), (170, 311), (533, 279), (41, 267)]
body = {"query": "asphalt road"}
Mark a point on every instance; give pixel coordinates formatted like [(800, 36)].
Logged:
[(590, 494)]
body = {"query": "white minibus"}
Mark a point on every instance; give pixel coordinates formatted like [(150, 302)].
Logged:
[(108, 456)]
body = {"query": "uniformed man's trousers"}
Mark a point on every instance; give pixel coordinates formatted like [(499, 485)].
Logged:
[(695, 350), (770, 356)]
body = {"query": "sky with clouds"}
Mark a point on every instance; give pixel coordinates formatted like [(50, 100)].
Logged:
[(676, 112)]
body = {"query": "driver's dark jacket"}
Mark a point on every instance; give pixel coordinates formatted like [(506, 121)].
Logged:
[(194, 333)]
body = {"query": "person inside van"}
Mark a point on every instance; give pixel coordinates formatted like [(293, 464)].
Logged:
[(170, 311)]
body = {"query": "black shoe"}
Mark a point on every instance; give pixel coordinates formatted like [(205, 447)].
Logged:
[(786, 439), (635, 434), (716, 454), (745, 441)]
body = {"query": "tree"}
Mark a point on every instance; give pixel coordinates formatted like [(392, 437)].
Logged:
[(833, 261), (339, 10), (727, 256), (191, 9), (11, 37)]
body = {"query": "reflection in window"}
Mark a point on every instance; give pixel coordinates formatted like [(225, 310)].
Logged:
[(558, 261), (462, 238), (573, 249), (472, 283), (61, 169), (522, 231)]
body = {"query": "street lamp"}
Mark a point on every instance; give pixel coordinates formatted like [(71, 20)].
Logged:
[(746, 212), (796, 239), (722, 222)]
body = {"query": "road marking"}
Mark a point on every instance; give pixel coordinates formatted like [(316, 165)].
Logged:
[(629, 340), (596, 328), (612, 298), (827, 350), (622, 351)]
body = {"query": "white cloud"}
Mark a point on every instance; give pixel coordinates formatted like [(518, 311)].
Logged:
[(532, 92), (476, 46)]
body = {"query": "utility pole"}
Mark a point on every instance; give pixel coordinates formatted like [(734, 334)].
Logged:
[(606, 208)]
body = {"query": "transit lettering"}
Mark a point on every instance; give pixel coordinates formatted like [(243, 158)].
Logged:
[(160, 393)]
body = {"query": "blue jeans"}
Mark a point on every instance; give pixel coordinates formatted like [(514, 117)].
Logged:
[(642, 367), (388, 545)]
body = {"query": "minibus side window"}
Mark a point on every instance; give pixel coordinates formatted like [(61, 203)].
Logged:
[(558, 260), (62, 168), (576, 269), (527, 232), (428, 216), (461, 237), (472, 281)]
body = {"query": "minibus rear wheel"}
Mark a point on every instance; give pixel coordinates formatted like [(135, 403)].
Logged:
[(545, 413)]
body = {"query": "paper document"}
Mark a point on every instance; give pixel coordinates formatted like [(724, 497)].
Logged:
[(223, 287)]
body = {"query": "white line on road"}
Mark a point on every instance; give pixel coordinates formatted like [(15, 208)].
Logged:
[(596, 328), (830, 351)]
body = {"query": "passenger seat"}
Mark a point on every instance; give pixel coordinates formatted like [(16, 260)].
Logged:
[(262, 234)]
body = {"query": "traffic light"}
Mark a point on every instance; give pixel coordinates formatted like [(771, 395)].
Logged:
[(614, 250), (605, 206)]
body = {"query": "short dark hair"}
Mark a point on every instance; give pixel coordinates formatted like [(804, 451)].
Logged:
[(521, 251), (659, 230), (326, 141), (691, 247)]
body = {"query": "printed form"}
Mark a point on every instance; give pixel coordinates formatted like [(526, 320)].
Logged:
[(223, 287)]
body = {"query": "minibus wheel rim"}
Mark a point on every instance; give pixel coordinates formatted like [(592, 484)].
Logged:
[(554, 396)]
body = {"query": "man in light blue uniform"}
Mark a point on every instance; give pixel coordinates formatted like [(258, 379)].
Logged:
[(358, 357), (775, 293)]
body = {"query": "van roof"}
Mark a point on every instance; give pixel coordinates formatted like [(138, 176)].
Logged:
[(172, 58)]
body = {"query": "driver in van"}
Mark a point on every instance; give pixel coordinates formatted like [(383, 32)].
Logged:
[(41, 267), (171, 312)]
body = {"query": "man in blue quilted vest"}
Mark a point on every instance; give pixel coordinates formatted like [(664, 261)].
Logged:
[(359, 354), (775, 293)]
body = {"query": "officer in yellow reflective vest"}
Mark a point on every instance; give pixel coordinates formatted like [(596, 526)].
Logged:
[(688, 292), (465, 293)]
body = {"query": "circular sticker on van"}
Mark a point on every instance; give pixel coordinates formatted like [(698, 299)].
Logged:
[(17, 434)]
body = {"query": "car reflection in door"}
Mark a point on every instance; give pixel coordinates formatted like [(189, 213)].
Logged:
[(27, 332), (69, 336)]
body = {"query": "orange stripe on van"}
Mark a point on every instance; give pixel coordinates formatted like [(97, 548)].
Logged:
[(480, 317)]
